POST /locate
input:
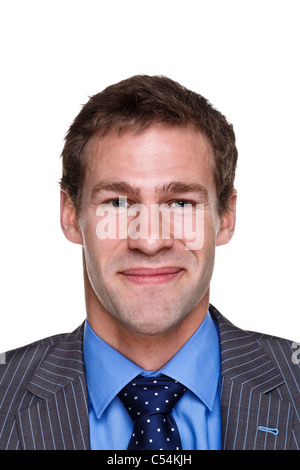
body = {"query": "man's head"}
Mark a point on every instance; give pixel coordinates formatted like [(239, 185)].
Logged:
[(154, 143), (136, 104)]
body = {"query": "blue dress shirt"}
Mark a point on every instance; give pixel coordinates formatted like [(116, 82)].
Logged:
[(196, 365)]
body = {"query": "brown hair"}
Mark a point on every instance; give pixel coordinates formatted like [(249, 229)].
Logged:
[(137, 103)]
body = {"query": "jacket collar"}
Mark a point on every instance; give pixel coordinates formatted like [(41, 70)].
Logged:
[(60, 367)]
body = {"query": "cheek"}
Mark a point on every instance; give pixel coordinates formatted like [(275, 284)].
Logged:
[(96, 232), (106, 225), (98, 250), (200, 232), (193, 228), (98, 260), (205, 254)]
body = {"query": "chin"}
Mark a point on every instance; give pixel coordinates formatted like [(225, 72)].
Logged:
[(153, 315), (149, 330), (159, 324)]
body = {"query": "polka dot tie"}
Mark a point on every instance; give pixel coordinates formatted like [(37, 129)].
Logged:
[(149, 402)]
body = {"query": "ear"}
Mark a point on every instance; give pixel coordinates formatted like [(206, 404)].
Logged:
[(68, 219), (227, 223)]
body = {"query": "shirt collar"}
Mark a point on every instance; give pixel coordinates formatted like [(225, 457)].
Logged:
[(202, 355), (108, 371)]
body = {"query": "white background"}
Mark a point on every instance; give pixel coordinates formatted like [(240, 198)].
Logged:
[(241, 55)]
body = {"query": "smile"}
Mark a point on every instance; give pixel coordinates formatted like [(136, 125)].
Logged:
[(152, 275)]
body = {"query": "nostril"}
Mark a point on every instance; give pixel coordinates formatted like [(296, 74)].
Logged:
[(149, 245)]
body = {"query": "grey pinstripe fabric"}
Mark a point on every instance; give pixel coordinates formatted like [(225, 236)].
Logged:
[(43, 394)]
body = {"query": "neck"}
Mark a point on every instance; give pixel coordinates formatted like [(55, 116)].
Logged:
[(151, 352)]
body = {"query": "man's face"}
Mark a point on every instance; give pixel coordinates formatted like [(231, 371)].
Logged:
[(149, 285)]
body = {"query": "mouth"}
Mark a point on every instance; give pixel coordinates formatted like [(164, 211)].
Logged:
[(152, 275)]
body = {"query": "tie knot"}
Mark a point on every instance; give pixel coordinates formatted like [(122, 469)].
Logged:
[(145, 396)]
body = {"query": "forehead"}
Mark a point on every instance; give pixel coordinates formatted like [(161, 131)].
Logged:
[(153, 156)]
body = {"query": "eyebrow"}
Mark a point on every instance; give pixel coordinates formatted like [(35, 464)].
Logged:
[(122, 187), (115, 186), (181, 187)]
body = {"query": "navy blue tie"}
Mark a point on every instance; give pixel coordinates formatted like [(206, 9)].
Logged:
[(149, 402)]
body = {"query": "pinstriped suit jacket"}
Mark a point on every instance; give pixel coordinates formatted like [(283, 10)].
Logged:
[(44, 405)]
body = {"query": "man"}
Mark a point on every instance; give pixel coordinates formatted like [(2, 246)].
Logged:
[(155, 365)]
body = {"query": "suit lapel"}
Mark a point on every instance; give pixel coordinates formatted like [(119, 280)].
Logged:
[(252, 420), (57, 417), (252, 414)]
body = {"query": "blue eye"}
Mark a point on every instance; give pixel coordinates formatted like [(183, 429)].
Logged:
[(181, 203), (119, 202)]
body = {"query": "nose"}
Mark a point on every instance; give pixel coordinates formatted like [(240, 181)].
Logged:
[(149, 246), (145, 232)]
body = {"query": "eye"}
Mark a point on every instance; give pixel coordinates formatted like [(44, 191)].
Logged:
[(181, 203), (118, 202)]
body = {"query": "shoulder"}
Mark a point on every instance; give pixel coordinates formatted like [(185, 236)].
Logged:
[(285, 353), (18, 365), (27, 357), (226, 327), (21, 377), (282, 353)]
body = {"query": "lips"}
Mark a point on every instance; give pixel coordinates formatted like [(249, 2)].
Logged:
[(152, 275)]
